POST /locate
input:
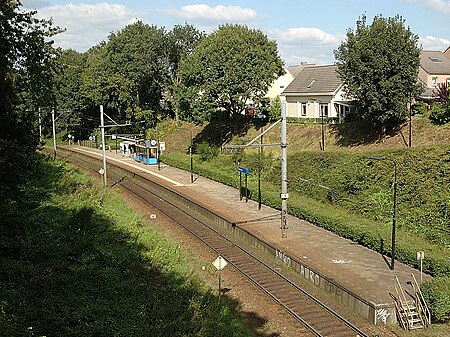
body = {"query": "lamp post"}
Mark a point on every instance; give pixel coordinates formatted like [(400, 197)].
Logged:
[(394, 215), (410, 121), (323, 134), (284, 187), (54, 133)]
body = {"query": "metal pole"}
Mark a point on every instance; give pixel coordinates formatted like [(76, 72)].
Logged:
[(54, 133), (284, 194), (40, 126), (323, 135), (158, 154), (246, 187), (240, 185), (259, 171), (102, 127), (259, 182), (394, 216), (190, 163), (410, 120)]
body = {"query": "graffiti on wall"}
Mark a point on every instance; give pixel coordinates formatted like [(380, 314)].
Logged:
[(382, 315), (279, 255)]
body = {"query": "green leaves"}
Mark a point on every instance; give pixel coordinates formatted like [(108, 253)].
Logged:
[(228, 68), (379, 66)]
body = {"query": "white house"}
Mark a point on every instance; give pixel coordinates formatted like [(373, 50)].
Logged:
[(316, 92), (281, 83)]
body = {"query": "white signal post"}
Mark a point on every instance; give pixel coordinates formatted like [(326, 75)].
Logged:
[(220, 263)]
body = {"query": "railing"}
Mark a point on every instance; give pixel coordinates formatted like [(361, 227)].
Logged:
[(420, 302), (405, 309)]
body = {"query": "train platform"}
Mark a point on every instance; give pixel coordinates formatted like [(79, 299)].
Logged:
[(361, 278)]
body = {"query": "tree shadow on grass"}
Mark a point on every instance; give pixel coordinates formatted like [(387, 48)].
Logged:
[(221, 130), (73, 272), (350, 134)]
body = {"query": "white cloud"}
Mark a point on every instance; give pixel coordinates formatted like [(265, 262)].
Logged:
[(306, 44), (302, 35), (86, 25), (441, 6), (434, 43), (214, 15)]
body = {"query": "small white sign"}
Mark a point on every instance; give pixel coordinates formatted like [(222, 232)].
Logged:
[(101, 171), (152, 216), (162, 146), (220, 263), (420, 255), (113, 137)]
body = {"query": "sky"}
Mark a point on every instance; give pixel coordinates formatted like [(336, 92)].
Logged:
[(305, 30)]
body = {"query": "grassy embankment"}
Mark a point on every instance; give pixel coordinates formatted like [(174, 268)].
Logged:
[(76, 262), (343, 191)]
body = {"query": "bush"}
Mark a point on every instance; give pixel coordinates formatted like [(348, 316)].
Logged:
[(420, 108), (440, 114), (437, 295), (207, 151)]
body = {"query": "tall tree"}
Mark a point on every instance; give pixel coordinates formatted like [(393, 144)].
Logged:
[(25, 72), (180, 43), (70, 99), (379, 65), (228, 68)]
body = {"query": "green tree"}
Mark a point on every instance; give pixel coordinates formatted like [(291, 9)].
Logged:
[(228, 68), (126, 73), (180, 42), (379, 66), (70, 99), (25, 83)]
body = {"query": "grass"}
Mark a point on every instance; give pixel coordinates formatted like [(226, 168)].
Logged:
[(76, 262)]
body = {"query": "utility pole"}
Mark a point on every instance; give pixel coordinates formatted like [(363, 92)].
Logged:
[(102, 127), (40, 126), (284, 193), (54, 133)]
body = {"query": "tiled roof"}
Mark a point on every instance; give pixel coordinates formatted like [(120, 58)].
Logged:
[(315, 80), (295, 70), (440, 65)]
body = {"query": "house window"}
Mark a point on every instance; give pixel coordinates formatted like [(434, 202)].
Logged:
[(435, 59), (303, 109), (434, 82), (323, 110)]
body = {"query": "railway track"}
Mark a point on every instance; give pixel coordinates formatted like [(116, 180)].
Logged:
[(319, 319)]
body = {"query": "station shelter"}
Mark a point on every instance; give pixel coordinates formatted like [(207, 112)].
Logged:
[(147, 153)]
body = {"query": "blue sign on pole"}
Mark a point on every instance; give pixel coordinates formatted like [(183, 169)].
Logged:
[(243, 170)]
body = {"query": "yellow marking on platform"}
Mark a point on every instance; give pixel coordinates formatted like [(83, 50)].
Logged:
[(176, 183)]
